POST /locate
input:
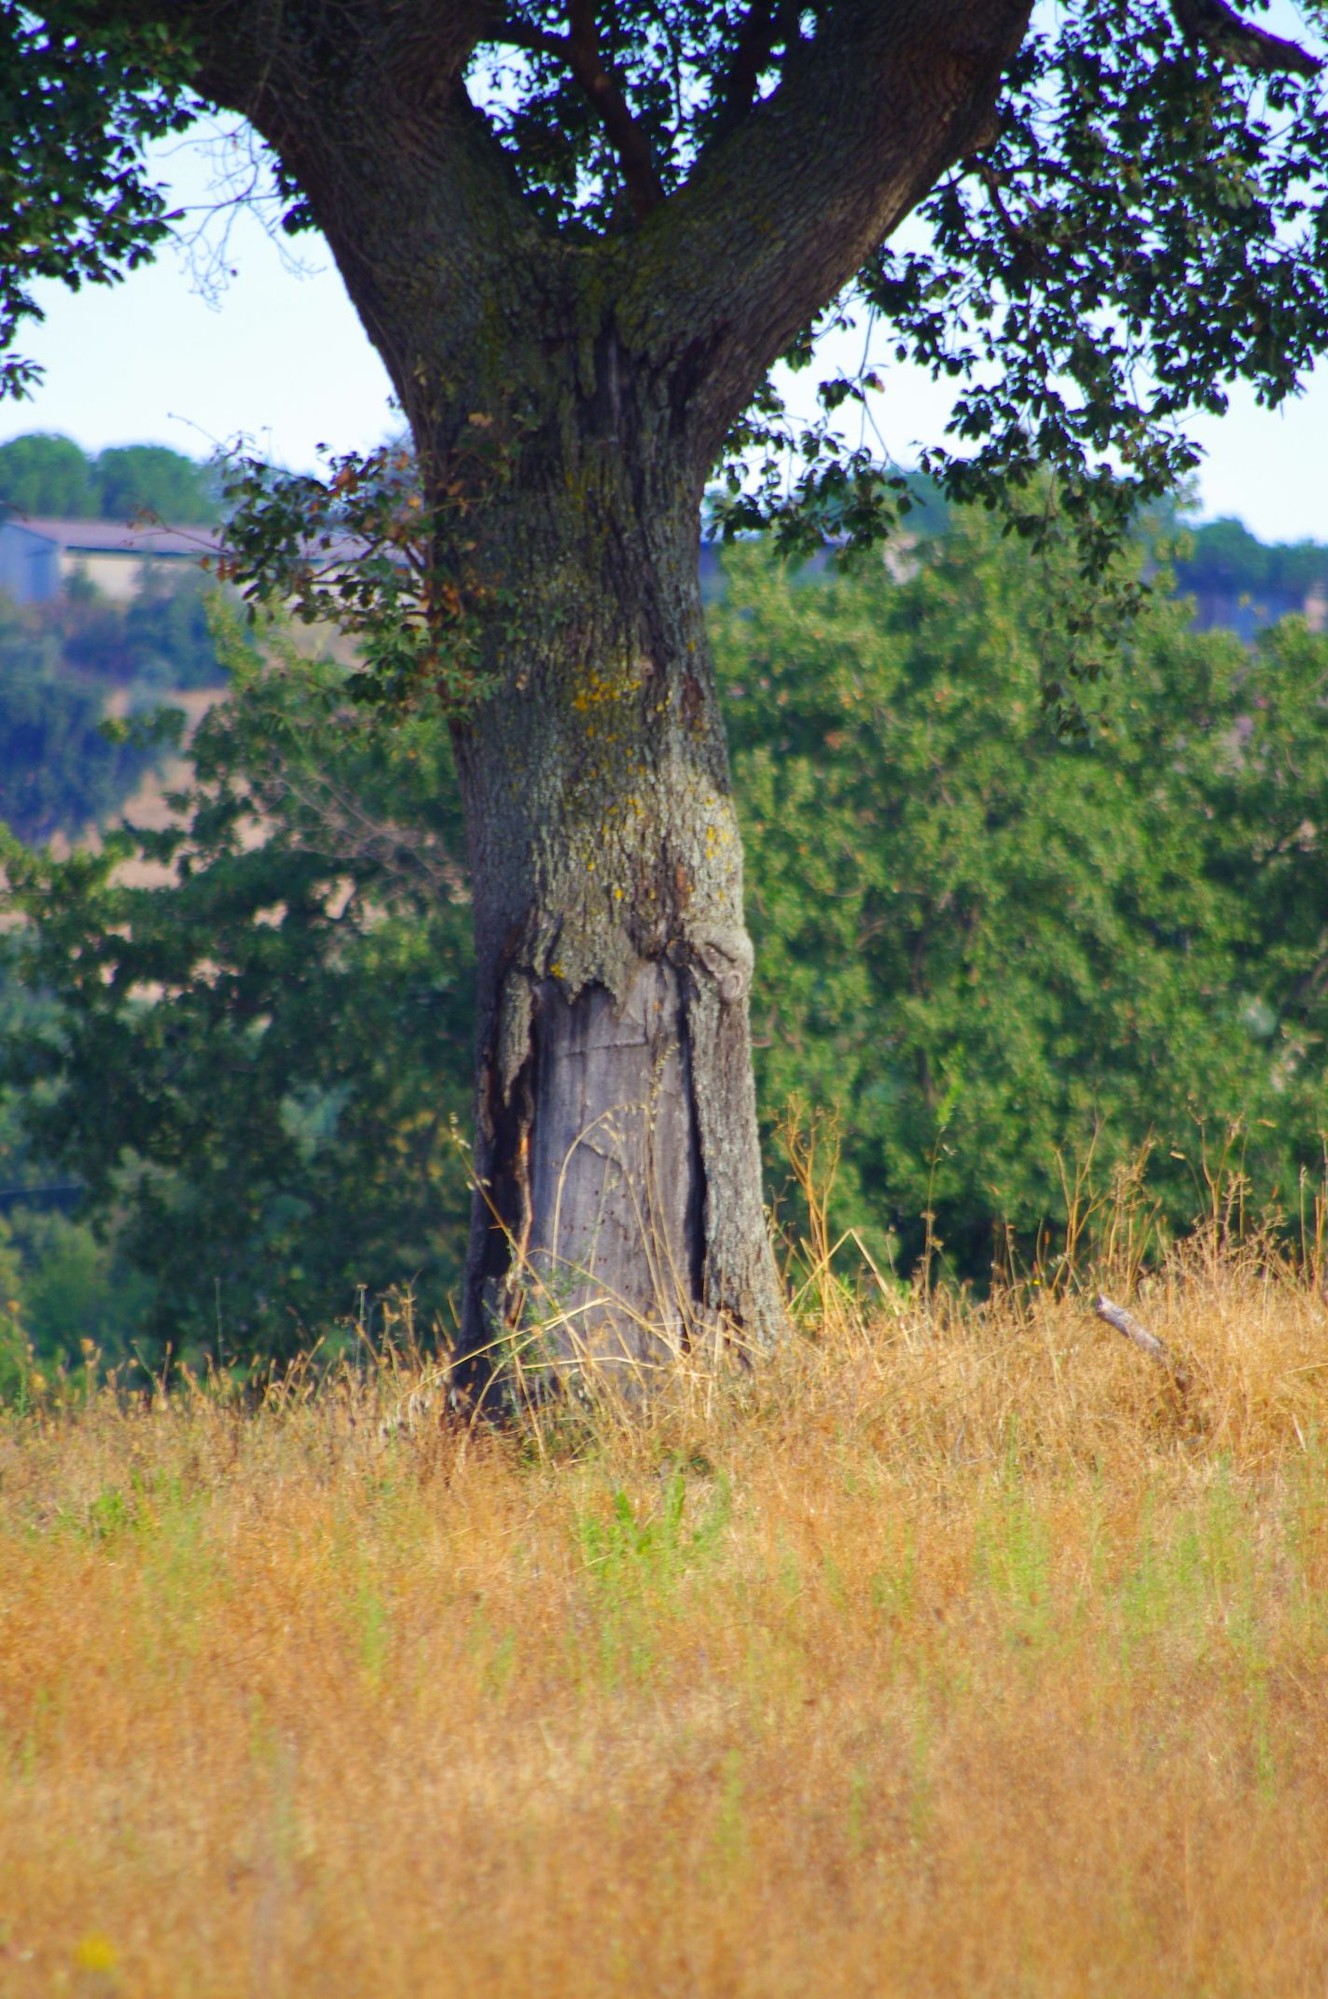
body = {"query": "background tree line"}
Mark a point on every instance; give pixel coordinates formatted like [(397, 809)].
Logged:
[(44, 474), (60, 661), (983, 945)]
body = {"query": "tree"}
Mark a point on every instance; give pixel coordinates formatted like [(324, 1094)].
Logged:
[(978, 942), (254, 1051), (983, 945), (1239, 580), (151, 478), (579, 240), (58, 770), (43, 473)]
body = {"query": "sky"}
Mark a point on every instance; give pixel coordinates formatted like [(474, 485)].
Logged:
[(273, 354)]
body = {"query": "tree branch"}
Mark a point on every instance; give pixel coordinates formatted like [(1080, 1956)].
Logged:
[(1125, 1323), (781, 213), (1218, 27), (625, 134), (767, 21), (365, 105), (579, 49), (536, 41)]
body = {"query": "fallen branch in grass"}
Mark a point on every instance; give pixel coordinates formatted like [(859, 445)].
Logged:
[(1149, 1343)]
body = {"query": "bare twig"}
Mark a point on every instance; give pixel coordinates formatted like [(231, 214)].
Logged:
[(1149, 1343)]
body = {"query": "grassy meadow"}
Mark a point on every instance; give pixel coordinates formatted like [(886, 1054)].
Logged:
[(955, 1650)]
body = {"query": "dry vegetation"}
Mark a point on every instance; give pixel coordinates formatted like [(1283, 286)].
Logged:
[(954, 1651)]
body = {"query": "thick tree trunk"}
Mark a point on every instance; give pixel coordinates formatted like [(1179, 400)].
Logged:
[(618, 1211), (568, 396)]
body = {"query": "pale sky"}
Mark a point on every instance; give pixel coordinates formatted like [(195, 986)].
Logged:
[(279, 358)]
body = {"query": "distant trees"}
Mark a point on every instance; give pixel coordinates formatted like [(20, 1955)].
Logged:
[(59, 661), (160, 639), (58, 769), (256, 1065), (45, 474), (1227, 567), (136, 478), (978, 943)]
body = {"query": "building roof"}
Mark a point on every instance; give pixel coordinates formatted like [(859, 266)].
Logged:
[(118, 537)]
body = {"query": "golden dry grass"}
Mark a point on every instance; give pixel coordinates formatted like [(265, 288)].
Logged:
[(950, 1652)]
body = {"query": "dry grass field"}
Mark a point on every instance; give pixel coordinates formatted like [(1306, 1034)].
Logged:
[(955, 1651)]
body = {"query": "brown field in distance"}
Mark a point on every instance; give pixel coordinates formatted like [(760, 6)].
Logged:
[(954, 1651)]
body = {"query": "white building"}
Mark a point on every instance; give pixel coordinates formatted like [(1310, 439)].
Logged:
[(38, 557)]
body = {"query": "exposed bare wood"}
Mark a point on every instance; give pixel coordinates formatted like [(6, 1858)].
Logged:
[(1125, 1323)]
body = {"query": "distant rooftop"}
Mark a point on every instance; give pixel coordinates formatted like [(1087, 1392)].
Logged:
[(117, 537), (38, 554)]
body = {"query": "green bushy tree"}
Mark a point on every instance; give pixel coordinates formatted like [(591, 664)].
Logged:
[(63, 1279), (43, 473), (135, 479), (1223, 557), (258, 1056), (161, 638), (986, 945)]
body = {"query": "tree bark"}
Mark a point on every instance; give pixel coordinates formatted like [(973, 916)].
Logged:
[(618, 1211)]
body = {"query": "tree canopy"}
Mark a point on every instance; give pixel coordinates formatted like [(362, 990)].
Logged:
[(1124, 202), (987, 947), (263, 1056)]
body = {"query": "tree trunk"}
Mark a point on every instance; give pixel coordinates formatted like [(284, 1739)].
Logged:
[(618, 1213), (568, 395)]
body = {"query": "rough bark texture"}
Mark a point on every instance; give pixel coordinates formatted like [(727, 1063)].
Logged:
[(620, 1196), (567, 399)]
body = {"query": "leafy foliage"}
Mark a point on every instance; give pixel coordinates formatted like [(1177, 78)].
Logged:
[(1148, 226), (259, 1060), (58, 771), (150, 478), (43, 473), (977, 942), (63, 767), (360, 550), (61, 1281), (1224, 559), (686, 71), (984, 945), (160, 639), (80, 96)]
